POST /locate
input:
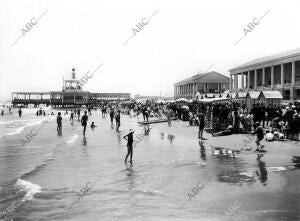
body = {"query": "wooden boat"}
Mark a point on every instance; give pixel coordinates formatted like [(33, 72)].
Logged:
[(155, 121)]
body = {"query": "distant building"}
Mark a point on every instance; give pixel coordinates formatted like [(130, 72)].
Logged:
[(210, 82), (71, 95), (157, 99), (276, 72)]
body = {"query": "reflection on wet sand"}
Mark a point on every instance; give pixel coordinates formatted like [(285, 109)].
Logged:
[(202, 151), (171, 138), (262, 173), (235, 177), (146, 130), (84, 141), (162, 135), (130, 177), (119, 138), (296, 161)]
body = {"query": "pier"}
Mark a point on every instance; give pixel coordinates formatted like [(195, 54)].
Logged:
[(72, 95)]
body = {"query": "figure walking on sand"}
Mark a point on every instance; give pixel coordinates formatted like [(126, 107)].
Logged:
[(111, 114), (118, 120), (84, 120), (201, 121), (59, 122), (129, 138)]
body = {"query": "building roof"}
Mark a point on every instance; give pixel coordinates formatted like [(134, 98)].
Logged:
[(242, 94), (209, 77), (270, 58), (254, 94), (232, 94), (210, 100), (272, 94)]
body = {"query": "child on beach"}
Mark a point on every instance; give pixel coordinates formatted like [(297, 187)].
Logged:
[(93, 125), (129, 138), (259, 136)]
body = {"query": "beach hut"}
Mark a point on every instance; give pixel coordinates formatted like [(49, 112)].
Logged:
[(270, 97), (252, 98), (232, 95), (241, 97)]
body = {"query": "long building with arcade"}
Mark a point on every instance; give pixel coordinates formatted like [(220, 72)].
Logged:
[(204, 83), (71, 95), (275, 72)]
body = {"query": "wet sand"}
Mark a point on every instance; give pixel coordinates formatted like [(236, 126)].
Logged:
[(171, 179)]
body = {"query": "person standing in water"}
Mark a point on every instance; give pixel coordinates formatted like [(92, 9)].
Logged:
[(20, 112), (59, 122), (78, 114), (84, 120), (129, 138), (71, 116), (111, 114), (118, 120)]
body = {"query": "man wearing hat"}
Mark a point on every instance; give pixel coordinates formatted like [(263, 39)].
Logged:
[(129, 138)]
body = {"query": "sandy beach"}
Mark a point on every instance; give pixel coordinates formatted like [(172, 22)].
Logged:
[(170, 179)]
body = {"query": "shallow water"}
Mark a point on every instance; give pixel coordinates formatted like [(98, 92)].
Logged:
[(170, 179)]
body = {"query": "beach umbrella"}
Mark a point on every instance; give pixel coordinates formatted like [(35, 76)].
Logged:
[(182, 100), (185, 107), (160, 101)]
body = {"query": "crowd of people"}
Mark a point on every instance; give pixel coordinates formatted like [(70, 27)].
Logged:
[(230, 118), (219, 118)]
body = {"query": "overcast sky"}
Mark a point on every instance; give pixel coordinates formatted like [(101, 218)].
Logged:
[(182, 38)]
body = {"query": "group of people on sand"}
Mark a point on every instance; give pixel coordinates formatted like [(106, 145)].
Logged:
[(282, 124)]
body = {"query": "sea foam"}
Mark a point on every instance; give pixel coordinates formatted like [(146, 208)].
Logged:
[(30, 188)]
